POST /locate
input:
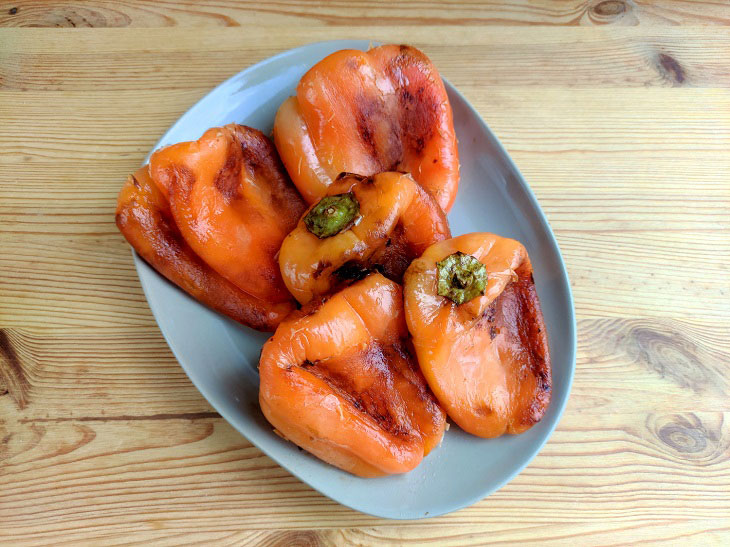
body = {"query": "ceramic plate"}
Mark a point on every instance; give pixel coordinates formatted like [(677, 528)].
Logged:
[(221, 357)]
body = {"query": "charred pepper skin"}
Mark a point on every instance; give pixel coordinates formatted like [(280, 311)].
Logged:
[(339, 379), (378, 223), (144, 218), (210, 216), (233, 203), (486, 358), (369, 112)]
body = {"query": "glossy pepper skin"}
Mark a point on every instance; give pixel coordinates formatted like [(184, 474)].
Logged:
[(233, 203), (368, 112), (144, 218), (338, 380), (486, 360), (397, 220)]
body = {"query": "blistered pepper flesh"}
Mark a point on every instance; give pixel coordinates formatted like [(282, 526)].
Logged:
[(368, 112), (233, 203), (383, 222), (144, 218), (486, 359), (338, 379)]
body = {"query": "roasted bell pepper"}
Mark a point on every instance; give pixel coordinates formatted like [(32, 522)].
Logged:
[(368, 112), (233, 203), (338, 379), (380, 222), (144, 218), (478, 331)]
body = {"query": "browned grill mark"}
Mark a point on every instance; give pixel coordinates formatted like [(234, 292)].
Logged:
[(366, 132), (418, 104), (533, 413), (378, 132), (181, 179), (351, 271), (516, 315), (383, 363), (260, 159), (228, 179), (322, 265), (486, 319), (368, 111), (254, 152), (529, 330), (419, 114), (345, 174), (395, 254)]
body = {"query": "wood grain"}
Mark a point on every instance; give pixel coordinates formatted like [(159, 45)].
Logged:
[(617, 113), (84, 374), (143, 61), (131, 13), (629, 469)]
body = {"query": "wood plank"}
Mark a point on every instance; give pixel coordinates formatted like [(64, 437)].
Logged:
[(620, 274), (219, 13), (116, 373), (702, 532), (637, 130), (125, 125), (91, 281), (79, 479), (620, 185), (136, 59), (623, 133), (91, 373)]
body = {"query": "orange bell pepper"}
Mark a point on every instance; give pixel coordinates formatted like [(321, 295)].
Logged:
[(339, 380), (369, 112), (391, 221), (478, 331), (144, 218), (233, 203)]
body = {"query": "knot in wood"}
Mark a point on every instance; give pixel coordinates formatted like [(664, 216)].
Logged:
[(688, 440), (609, 8)]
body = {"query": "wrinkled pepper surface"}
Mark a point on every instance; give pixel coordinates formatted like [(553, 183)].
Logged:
[(380, 222), (144, 218), (368, 112), (338, 379), (233, 204), (478, 331)]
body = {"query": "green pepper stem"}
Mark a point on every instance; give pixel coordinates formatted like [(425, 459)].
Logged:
[(461, 277), (332, 215)]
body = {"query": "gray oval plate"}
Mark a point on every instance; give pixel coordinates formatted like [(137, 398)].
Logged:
[(221, 357)]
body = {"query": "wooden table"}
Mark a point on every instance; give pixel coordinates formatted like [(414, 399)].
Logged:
[(617, 112)]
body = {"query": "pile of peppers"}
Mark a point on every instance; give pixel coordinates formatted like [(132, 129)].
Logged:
[(335, 237)]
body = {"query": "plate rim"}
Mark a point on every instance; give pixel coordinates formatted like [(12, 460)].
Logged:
[(563, 277)]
